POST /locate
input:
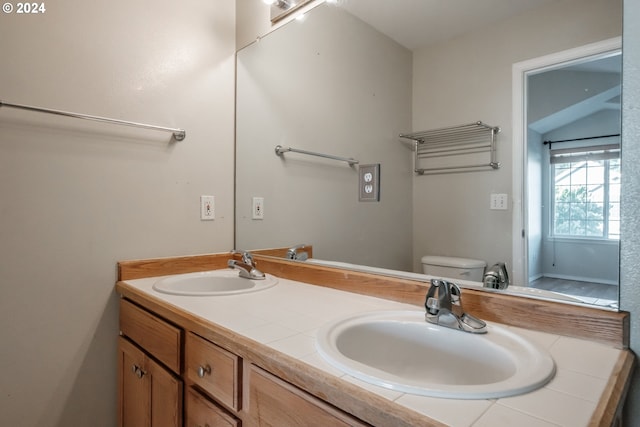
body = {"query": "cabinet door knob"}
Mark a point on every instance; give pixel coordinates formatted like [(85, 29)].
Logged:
[(138, 371), (204, 370)]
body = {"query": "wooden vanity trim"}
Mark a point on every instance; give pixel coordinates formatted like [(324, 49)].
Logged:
[(154, 267), (609, 409), (139, 269)]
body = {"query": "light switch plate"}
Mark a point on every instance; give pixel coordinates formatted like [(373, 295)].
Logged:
[(369, 183), (499, 201)]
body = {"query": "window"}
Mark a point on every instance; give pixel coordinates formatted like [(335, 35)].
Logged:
[(586, 192)]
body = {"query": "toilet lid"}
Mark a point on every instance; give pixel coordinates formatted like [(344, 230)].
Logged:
[(445, 261)]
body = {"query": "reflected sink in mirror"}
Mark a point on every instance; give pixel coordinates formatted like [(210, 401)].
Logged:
[(212, 283), (399, 350)]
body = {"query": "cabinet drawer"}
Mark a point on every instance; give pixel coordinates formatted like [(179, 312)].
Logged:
[(200, 412), (156, 336), (214, 369)]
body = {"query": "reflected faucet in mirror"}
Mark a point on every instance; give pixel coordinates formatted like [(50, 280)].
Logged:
[(496, 277), (296, 253)]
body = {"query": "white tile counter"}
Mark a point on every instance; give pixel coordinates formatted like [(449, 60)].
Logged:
[(287, 316)]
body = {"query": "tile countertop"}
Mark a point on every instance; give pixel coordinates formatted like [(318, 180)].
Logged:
[(287, 316)]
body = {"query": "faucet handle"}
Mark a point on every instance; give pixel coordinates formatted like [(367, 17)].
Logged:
[(438, 297), (455, 293), (432, 305)]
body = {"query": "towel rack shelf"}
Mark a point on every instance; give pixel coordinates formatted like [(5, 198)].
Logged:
[(178, 134), (463, 148)]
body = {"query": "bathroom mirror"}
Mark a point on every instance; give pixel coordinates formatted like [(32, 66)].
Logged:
[(347, 80)]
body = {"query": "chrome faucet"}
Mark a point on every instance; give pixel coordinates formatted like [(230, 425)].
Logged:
[(293, 253), (445, 309), (496, 277), (247, 267)]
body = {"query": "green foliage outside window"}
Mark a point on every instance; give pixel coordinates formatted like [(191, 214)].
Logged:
[(586, 200)]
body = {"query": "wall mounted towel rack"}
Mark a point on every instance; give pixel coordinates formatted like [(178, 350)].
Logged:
[(178, 134), (464, 148), (280, 150)]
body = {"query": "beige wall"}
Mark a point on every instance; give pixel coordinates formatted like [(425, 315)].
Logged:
[(469, 79), (77, 196)]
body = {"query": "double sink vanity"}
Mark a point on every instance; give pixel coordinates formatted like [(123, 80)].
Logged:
[(312, 345)]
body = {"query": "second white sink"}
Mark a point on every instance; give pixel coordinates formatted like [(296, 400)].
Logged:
[(211, 283), (400, 351)]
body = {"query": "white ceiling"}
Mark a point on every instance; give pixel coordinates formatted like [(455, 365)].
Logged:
[(417, 23)]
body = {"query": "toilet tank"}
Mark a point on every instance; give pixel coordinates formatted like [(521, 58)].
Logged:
[(453, 268)]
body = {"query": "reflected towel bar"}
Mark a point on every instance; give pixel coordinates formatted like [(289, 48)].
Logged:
[(280, 150), (178, 134)]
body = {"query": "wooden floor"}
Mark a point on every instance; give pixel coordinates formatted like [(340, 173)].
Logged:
[(594, 293)]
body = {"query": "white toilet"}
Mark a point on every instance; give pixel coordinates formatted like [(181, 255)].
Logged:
[(453, 268)]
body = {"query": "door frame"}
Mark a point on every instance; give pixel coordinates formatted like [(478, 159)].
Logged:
[(520, 71)]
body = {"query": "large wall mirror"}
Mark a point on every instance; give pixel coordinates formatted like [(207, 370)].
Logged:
[(351, 76)]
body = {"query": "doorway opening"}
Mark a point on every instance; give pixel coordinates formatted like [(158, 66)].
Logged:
[(567, 145)]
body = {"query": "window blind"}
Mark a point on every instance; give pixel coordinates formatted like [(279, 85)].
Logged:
[(581, 154)]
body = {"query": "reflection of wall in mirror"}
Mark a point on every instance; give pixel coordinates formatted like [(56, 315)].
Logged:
[(469, 78), (333, 85), (454, 82)]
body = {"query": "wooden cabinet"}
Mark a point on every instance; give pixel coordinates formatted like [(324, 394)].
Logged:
[(273, 402), (163, 367), (149, 386), (150, 395)]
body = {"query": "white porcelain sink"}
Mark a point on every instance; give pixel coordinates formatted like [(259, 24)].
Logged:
[(399, 350), (209, 283)]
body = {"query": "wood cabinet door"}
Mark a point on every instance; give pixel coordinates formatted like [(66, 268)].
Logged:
[(200, 412), (276, 403), (149, 395), (166, 396), (134, 400)]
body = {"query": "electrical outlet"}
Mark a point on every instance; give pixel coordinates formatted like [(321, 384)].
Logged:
[(499, 202), (257, 208), (207, 208), (369, 183)]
